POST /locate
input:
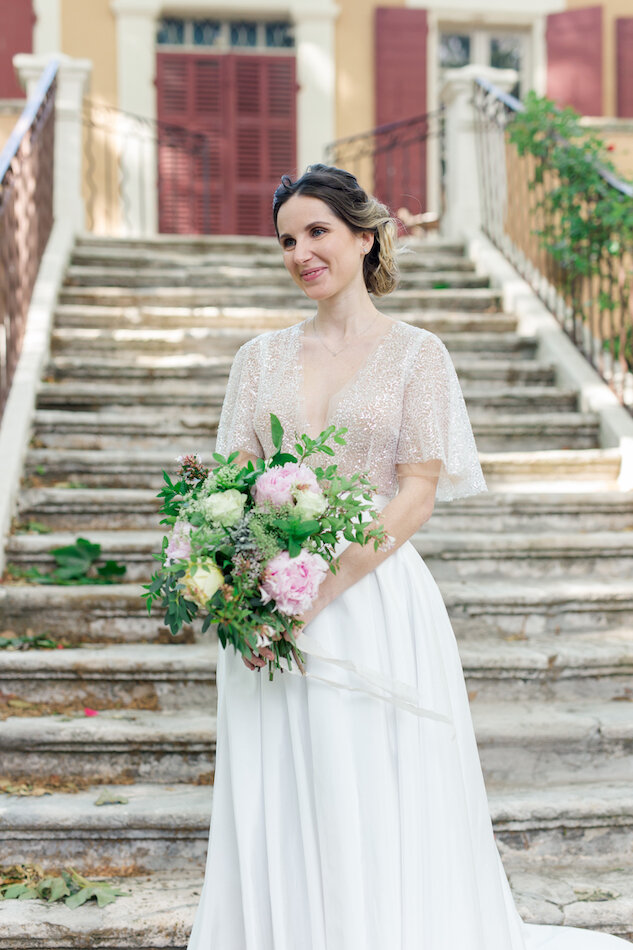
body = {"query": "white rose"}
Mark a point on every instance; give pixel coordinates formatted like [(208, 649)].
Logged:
[(309, 504), (203, 584), (225, 507)]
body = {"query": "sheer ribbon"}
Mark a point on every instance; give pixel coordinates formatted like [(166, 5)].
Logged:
[(371, 682)]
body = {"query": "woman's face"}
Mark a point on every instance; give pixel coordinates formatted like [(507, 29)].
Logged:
[(322, 255)]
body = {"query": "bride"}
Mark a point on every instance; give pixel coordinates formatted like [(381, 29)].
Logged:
[(346, 816)]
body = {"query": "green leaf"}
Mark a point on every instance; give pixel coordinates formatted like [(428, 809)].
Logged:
[(276, 431), (109, 798), (83, 895), (111, 569), (14, 891)]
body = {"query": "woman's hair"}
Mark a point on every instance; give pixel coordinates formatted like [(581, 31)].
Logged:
[(361, 212)]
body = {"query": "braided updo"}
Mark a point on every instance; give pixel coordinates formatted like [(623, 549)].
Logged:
[(361, 212)]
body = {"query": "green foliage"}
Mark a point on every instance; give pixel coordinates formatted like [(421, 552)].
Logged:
[(585, 223), (239, 550), (24, 882), (76, 564), (36, 641)]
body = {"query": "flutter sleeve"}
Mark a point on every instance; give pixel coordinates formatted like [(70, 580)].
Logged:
[(235, 428), (435, 423)]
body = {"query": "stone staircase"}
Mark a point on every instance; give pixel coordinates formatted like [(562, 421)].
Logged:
[(536, 574)]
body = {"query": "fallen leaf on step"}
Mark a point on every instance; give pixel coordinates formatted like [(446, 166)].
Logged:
[(595, 895), (109, 798)]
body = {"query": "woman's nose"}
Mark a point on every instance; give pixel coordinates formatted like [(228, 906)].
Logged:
[(303, 252)]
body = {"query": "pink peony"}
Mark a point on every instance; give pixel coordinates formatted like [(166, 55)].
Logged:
[(179, 547), (277, 484), (293, 582)]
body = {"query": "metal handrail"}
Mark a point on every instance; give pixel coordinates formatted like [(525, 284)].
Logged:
[(392, 159), (27, 117), (26, 217), (594, 308), (515, 105)]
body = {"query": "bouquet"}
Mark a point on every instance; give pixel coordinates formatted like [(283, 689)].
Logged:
[(249, 545)]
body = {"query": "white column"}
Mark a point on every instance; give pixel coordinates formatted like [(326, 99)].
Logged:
[(316, 106), (462, 217), (72, 83), (136, 72), (46, 32)]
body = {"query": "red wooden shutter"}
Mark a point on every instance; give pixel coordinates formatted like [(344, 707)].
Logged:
[(574, 59), (265, 136), (401, 44), (624, 67), (227, 132), (16, 36)]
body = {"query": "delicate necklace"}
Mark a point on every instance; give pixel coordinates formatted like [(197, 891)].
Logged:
[(336, 352)]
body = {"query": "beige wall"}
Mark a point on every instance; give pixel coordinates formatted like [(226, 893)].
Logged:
[(619, 134), (88, 32), (612, 9), (355, 64)]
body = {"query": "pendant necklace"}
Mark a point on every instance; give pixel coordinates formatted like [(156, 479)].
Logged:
[(336, 352)]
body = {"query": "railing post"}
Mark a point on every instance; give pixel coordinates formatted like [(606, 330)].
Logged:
[(72, 82), (462, 214)]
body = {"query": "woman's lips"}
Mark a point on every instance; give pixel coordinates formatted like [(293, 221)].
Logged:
[(313, 273)]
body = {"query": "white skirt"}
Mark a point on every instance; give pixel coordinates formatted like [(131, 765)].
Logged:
[(342, 821)]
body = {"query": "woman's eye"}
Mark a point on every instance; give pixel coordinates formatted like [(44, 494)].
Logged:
[(287, 243), (316, 232)]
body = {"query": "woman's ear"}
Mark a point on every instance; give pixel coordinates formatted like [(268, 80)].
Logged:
[(366, 241)]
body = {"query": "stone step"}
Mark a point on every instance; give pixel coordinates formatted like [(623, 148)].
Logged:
[(545, 744), (64, 369), (161, 910), (119, 676), (492, 608), (529, 471), (123, 746), (527, 743), (593, 822), (236, 245), (475, 299), (537, 608), (209, 393), (531, 511), (177, 429), (447, 555), (561, 668), (139, 346), (422, 258), (214, 276), (103, 614), (472, 555), (223, 329), (89, 509), (596, 667), (552, 470), (67, 509)]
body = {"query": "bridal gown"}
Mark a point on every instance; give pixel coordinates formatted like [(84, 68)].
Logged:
[(347, 815)]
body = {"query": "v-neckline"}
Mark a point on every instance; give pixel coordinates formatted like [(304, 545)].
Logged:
[(335, 397)]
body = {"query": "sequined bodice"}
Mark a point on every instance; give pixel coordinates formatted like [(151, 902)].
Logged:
[(404, 404)]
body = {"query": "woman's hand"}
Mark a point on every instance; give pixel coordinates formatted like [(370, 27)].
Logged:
[(258, 657)]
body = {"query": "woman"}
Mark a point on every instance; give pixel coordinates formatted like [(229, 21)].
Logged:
[(344, 816)]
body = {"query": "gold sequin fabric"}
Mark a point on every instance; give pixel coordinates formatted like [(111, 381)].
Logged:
[(404, 404)]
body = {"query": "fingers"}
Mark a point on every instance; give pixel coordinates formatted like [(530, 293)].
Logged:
[(254, 661)]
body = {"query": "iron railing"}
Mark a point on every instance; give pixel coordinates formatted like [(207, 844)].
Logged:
[(393, 162), (594, 309), (126, 156), (26, 217)]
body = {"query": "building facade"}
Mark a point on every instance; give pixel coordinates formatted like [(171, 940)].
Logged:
[(258, 89)]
